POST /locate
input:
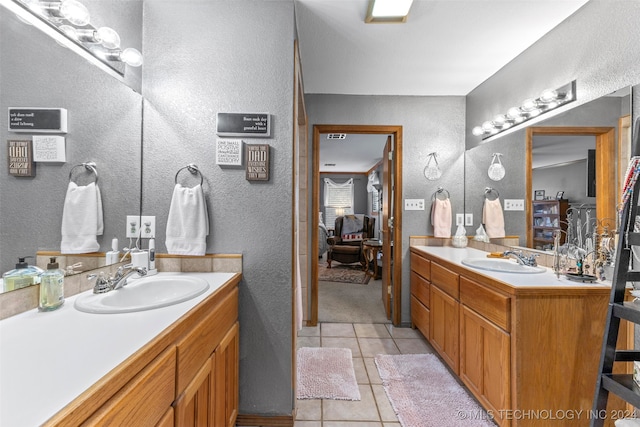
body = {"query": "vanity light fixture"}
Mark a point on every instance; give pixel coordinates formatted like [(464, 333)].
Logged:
[(530, 108), (71, 20), (387, 11)]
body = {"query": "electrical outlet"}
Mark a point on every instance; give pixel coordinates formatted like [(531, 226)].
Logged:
[(459, 219), (413, 204), (468, 219), (144, 227), (513, 204)]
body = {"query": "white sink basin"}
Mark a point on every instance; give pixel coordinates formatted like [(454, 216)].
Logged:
[(144, 294), (501, 265)]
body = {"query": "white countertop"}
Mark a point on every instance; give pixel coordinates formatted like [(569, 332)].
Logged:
[(47, 359), (545, 279)]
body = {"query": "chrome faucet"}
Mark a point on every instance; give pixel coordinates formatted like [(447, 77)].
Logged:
[(118, 281), (522, 259)]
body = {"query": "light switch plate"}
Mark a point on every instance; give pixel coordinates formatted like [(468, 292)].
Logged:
[(459, 219), (468, 219), (413, 204), (513, 204)]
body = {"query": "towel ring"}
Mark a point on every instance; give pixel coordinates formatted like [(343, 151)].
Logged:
[(439, 191), (191, 167), (89, 166), (489, 190)]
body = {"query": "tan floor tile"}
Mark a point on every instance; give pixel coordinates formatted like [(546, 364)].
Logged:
[(403, 332), (384, 406), (413, 346), (342, 330), (351, 424), (371, 330), (308, 342), (372, 370), (350, 343), (370, 347), (308, 409), (391, 425), (344, 410), (308, 424), (309, 331), (361, 371)]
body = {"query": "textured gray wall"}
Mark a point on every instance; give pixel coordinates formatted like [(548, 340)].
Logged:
[(572, 179), (601, 112), (428, 124), (104, 126), (204, 57)]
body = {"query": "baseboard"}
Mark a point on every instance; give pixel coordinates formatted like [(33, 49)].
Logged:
[(264, 420)]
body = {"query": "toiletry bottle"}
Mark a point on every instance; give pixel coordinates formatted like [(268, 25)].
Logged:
[(51, 287), (152, 257), (22, 276), (113, 256)]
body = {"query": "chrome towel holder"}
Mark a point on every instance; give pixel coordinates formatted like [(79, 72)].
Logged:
[(193, 168), (89, 166), (489, 190), (442, 191)]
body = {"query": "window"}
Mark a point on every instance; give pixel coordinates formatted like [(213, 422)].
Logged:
[(338, 200)]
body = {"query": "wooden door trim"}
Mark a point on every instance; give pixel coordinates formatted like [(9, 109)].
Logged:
[(605, 174), (396, 131)]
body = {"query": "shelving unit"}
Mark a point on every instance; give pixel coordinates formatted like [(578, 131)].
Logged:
[(548, 216)]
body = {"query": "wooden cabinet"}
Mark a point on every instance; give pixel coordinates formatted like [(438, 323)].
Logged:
[(548, 216), (443, 326), (187, 376), (420, 293)]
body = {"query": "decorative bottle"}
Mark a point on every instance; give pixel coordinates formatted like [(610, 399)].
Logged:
[(51, 287)]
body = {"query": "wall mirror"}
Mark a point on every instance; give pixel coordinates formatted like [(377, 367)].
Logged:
[(104, 126), (557, 157)]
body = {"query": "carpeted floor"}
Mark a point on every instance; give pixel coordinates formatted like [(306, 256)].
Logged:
[(424, 394), (326, 373), (351, 303)]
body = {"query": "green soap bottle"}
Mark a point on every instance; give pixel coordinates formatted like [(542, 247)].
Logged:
[(51, 287), (22, 276)]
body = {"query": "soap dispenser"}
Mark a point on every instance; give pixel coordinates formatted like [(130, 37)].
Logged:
[(22, 276), (51, 287)]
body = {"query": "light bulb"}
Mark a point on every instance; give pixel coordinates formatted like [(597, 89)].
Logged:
[(549, 95), (69, 31), (131, 56), (487, 126), (514, 113), (529, 105), (477, 131), (499, 120), (75, 12), (108, 37)]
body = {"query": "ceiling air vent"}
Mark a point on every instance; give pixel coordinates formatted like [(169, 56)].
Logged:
[(329, 164), (336, 136)]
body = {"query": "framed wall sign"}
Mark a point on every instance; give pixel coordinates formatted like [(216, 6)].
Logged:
[(539, 195), (38, 120), (20, 158), (257, 156), (257, 125), (48, 148), (229, 152)]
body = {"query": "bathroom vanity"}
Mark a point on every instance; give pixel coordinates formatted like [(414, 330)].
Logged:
[(526, 345), (175, 365)]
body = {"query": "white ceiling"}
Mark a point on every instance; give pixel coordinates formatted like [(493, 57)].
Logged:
[(446, 48)]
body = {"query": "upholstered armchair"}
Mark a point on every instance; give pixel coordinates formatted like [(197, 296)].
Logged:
[(345, 245)]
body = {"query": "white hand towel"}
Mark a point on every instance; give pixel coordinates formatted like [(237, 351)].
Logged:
[(82, 219), (188, 222), (441, 218), (493, 218)]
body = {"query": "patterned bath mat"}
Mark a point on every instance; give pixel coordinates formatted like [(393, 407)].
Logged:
[(344, 273), (326, 373), (423, 393)]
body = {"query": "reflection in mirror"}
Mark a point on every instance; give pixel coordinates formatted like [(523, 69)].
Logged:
[(561, 167), (104, 127), (107, 35)]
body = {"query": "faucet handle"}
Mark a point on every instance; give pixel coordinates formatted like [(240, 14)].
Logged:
[(102, 284)]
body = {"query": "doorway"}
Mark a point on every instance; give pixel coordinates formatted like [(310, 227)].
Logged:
[(391, 219)]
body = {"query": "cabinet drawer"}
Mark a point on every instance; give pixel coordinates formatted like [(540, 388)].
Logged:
[(446, 280), (490, 304), (420, 316), (196, 347), (420, 288), (421, 265), (145, 399)]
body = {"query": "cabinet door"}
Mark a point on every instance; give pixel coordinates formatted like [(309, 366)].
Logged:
[(485, 361), (443, 326), (227, 360), (195, 407)]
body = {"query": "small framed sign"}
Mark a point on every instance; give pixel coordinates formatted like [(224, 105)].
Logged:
[(48, 148), (257, 125), (229, 152), (559, 195), (257, 168), (38, 120), (539, 195), (20, 158)]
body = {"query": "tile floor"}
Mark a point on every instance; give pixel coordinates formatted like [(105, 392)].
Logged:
[(365, 341)]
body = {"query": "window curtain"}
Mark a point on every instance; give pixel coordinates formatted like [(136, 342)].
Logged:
[(338, 200)]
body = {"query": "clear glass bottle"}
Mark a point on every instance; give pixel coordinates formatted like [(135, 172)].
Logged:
[(22, 276), (51, 287)]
